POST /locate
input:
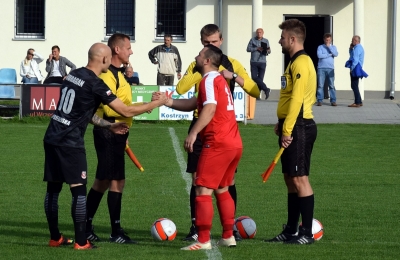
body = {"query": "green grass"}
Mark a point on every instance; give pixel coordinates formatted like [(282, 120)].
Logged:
[(354, 174)]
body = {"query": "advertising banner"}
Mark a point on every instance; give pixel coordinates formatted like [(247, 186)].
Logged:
[(42, 100), (142, 93), (39, 100), (167, 113), (239, 97)]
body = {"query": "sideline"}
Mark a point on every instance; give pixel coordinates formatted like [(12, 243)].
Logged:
[(214, 253)]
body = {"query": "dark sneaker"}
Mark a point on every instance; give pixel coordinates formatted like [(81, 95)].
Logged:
[(282, 237), (267, 93), (88, 246), (300, 240), (122, 238), (91, 236), (192, 236), (61, 242), (237, 235)]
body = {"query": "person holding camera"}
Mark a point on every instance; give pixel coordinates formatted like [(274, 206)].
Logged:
[(56, 67), (259, 48), (29, 70)]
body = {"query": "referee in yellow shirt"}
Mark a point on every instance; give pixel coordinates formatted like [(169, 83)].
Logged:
[(297, 132)]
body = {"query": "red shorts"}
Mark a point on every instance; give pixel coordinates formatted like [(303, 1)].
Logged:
[(216, 169)]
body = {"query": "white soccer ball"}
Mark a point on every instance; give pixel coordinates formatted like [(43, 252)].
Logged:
[(317, 229), (163, 229), (245, 226)]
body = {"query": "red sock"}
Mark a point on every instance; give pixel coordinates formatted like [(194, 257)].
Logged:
[(204, 216), (226, 208)]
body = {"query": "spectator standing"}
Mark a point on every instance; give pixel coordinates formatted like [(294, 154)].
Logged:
[(56, 67), (168, 60), (29, 70), (297, 133), (259, 48), (356, 52), (326, 69)]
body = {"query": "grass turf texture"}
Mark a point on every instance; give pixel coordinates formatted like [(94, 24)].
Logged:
[(354, 174)]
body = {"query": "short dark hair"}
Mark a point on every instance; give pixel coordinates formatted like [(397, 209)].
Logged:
[(327, 35), (210, 29), (295, 27), (55, 47), (168, 36), (115, 40), (214, 54)]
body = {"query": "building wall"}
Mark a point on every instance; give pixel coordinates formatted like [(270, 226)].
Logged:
[(77, 29)]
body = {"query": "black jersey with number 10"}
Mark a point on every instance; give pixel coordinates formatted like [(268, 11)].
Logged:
[(81, 94)]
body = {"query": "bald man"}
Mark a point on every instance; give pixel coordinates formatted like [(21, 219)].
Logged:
[(259, 48), (65, 157), (129, 76)]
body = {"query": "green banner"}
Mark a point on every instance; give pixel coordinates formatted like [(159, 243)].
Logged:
[(142, 93)]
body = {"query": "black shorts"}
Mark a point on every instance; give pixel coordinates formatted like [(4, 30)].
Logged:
[(110, 149), (193, 157), (65, 164), (296, 158)]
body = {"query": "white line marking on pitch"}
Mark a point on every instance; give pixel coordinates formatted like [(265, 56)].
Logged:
[(214, 253)]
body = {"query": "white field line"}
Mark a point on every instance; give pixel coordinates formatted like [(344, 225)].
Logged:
[(213, 254)]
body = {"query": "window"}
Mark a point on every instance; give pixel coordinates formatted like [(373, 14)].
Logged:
[(29, 19), (120, 17), (171, 19)]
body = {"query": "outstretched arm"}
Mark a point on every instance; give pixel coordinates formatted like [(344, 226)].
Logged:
[(132, 110), (116, 128), (182, 104)]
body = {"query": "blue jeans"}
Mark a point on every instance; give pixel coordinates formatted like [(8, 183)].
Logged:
[(356, 90), (322, 76), (257, 74), (31, 80)]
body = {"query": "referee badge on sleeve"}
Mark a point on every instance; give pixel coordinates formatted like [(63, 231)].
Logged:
[(283, 82)]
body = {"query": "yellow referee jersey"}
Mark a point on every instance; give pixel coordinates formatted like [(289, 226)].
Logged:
[(191, 79), (124, 93), (298, 90)]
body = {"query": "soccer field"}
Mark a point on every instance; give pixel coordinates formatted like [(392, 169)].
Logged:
[(354, 174)]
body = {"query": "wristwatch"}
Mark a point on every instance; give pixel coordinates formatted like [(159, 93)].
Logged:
[(234, 76)]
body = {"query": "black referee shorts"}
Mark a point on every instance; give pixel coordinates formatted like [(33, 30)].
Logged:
[(193, 157), (110, 149), (296, 158), (65, 164)]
